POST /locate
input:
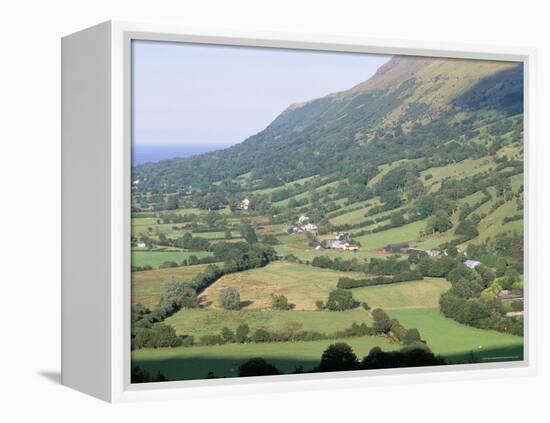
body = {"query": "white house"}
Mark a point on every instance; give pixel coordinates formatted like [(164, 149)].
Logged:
[(302, 220), (141, 244), (245, 204), (341, 245), (310, 228), (472, 263)]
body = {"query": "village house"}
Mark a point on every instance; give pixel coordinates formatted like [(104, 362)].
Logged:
[(141, 244), (430, 253), (341, 245), (302, 220), (244, 204), (472, 264)]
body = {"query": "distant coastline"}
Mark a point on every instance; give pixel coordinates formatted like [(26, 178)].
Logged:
[(153, 153)]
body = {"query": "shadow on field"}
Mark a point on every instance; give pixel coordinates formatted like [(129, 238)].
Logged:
[(53, 376), (487, 355), (190, 368)]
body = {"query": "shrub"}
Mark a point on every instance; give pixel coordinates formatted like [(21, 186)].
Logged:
[(241, 334), (280, 302), (382, 322), (261, 335), (257, 367), (411, 336)]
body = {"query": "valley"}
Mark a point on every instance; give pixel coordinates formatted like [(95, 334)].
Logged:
[(402, 194)]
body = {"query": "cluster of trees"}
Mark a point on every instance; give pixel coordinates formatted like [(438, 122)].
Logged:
[(338, 300), (292, 332), (340, 357), (342, 265), (387, 266), (465, 304), (349, 283), (139, 375), (280, 302)]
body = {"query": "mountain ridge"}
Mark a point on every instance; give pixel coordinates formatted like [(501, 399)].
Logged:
[(407, 99)]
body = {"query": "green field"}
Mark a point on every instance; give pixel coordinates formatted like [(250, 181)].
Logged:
[(199, 322), (405, 233), (148, 286), (156, 258), (455, 341), (224, 360), (413, 294)]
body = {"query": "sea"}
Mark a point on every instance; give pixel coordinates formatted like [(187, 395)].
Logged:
[(154, 153)]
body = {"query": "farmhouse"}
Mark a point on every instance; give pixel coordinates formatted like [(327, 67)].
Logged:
[(311, 228), (472, 263), (244, 204), (396, 246), (303, 220), (308, 227), (141, 244), (341, 245), (430, 253)]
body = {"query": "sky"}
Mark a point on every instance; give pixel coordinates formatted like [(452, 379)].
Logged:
[(190, 94)]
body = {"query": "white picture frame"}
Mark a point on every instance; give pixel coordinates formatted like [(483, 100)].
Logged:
[(96, 132)]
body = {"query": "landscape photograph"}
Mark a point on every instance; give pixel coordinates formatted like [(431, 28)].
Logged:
[(299, 211)]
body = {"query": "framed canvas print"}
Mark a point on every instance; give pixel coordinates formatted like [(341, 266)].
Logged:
[(263, 212)]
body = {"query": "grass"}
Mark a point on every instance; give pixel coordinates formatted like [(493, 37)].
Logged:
[(148, 286), (491, 225), (466, 167), (405, 233), (413, 294), (302, 285), (156, 258), (199, 322), (224, 360), (455, 341)]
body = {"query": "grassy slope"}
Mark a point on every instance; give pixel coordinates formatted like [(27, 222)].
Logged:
[(302, 284), (415, 294), (148, 286), (156, 258), (409, 232)]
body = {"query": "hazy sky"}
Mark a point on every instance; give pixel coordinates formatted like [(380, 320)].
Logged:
[(191, 94)]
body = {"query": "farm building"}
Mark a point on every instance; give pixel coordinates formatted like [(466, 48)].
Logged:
[(303, 220), (244, 204), (141, 244), (430, 253), (397, 246), (472, 263), (341, 245)]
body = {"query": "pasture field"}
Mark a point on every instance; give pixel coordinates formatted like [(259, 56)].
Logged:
[(195, 362), (405, 233), (156, 258), (457, 342), (301, 284), (149, 285), (199, 322), (413, 294)]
